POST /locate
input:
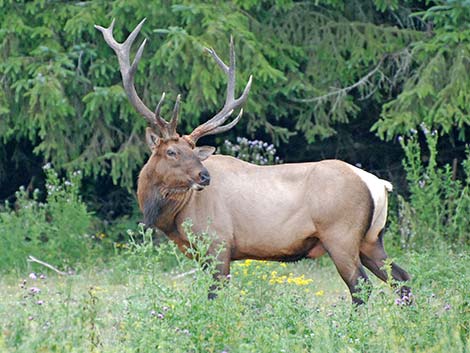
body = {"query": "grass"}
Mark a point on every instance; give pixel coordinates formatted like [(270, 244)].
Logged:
[(140, 304)]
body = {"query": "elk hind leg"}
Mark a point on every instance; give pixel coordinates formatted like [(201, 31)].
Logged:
[(344, 252), (373, 256)]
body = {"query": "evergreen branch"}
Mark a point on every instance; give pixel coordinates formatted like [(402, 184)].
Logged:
[(343, 91)]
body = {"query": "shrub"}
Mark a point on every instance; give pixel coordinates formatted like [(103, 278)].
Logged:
[(55, 231), (253, 151), (439, 203)]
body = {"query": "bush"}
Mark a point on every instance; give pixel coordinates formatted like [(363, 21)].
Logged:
[(253, 151), (439, 203), (55, 231)]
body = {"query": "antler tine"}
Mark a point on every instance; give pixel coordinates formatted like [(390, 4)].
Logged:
[(226, 127), (174, 118), (213, 126), (128, 70), (231, 75), (168, 128), (159, 121)]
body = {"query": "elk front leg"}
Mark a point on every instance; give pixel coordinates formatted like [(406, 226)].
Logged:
[(221, 270)]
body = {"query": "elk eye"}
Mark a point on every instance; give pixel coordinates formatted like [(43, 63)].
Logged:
[(170, 153)]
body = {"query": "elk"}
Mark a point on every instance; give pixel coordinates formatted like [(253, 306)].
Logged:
[(284, 212)]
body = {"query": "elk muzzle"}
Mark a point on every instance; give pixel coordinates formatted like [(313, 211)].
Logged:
[(204, 180), (204, 177)]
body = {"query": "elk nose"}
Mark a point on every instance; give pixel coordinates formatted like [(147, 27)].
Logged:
[(204, 177)]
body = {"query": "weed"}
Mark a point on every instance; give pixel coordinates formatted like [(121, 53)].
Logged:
[(439, 204), (56, 231)]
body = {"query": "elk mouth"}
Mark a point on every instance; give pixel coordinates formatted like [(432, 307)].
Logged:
[(198, 187)]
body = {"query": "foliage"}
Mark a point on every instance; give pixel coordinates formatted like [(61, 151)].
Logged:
[(151, 308), (56, 231), (61, 85), (437, 92), (257, 152), (439, 202)]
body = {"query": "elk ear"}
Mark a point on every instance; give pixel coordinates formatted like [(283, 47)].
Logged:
[(204, 152), (152, 138)]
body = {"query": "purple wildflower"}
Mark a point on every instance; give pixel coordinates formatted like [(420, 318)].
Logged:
[(34, 290), (32, 275)]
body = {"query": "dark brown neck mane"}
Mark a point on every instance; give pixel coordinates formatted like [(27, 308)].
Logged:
[(160, 205)]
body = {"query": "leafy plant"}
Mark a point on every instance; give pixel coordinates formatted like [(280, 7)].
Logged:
[(56, 230), (61, 86), (439, 202)]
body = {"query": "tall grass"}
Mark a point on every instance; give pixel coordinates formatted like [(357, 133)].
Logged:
[(263, 307)]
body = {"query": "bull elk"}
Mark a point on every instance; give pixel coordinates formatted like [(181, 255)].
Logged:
[(282, 213)]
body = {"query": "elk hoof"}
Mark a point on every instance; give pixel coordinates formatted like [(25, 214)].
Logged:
[(212, 296), (405, 296)]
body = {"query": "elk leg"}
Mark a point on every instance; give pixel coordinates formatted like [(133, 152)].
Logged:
[(222, 270), (346, 259), (373, 256)]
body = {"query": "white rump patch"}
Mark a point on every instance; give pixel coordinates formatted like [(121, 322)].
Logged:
[(388, 185), (378, 190)]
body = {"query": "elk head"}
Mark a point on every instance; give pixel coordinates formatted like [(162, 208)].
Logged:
[(175, 162)]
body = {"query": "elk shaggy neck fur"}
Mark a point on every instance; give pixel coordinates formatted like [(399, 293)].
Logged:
[(158, 203)]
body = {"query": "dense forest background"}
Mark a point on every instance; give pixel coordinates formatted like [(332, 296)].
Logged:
[(332, 79)]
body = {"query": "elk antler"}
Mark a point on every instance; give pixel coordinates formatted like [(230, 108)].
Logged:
[(214, 125), (159, 125)]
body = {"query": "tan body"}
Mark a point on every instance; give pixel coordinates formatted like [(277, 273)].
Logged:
[(275, 212), (286, 213)]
